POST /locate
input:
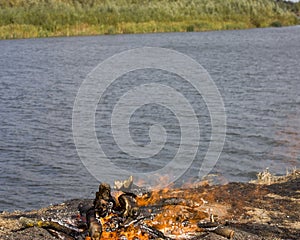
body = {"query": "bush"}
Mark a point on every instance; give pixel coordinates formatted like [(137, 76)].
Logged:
[(190, 28), (276, 24)]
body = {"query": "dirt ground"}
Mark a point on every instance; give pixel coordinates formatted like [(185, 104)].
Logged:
[(265, 209)]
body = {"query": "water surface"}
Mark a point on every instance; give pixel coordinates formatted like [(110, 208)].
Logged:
[(256, 72)]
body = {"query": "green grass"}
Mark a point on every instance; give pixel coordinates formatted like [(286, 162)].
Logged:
[(43, 18)]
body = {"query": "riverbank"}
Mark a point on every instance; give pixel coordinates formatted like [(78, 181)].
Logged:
[(265, 209), (23, 19), (17, 31)]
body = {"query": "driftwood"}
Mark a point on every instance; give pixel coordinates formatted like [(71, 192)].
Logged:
[(265, 209)]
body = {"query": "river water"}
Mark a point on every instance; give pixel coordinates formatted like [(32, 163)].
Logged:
[(257, 73)]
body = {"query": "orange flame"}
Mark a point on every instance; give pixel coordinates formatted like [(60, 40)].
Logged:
[(176, 213)]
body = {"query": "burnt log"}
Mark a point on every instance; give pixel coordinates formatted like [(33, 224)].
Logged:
[(94, 226)]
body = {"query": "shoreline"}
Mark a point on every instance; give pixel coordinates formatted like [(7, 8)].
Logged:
[(141, 33), (33, 32), (266, 208)]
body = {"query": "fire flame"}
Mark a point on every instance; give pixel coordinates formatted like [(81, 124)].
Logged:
[(174, 212)]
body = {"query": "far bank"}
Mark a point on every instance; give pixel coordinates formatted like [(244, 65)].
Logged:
[(23, 19)]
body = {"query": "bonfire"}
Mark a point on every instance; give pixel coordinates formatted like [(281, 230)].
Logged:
[(265, 209)]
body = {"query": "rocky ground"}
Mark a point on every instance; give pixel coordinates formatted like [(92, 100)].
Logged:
[(265, 209)]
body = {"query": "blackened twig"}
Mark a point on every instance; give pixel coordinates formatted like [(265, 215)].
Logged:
[(153, 232)]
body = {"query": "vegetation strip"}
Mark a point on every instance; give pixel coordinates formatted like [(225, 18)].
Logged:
[(48, 18)]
